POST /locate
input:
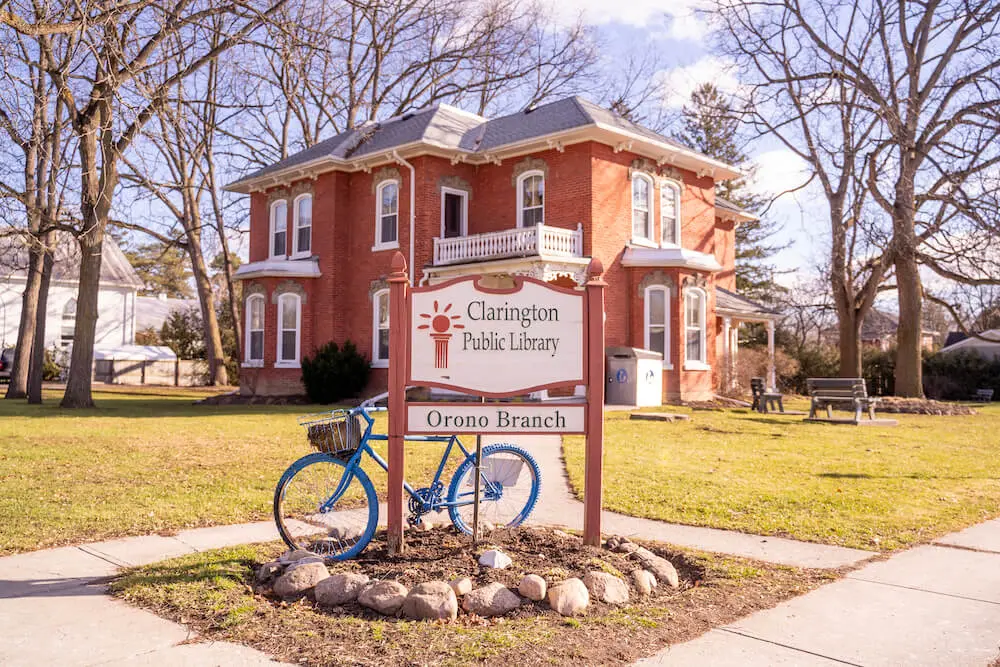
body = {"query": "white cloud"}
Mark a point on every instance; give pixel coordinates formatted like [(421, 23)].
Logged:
[(678, 83), (780, 170), (677, 19)]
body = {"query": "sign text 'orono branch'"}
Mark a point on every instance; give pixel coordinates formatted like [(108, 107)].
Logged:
[(494, 418)]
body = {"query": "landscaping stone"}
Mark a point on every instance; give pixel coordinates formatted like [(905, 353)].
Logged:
[(300, 580), (626, 548), (292, 556), (493, 599), (532, 587), (269, 571), (385, 597), (606, 587), (563, 534), (304, 561), (461, 585), (340, 589), (433, 600), (569, 597), (495, 559), (659, 416), (612, 542), (662, 569), (644, 581)]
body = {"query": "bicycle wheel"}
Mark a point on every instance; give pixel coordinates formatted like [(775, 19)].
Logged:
[(508, 490), (320, 507)]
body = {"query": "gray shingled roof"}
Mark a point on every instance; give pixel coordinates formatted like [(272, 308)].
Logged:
[(451, 128), (726, 300), (115, 267)]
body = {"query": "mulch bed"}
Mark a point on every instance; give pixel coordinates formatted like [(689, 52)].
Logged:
[(922, 406), (713, 591)]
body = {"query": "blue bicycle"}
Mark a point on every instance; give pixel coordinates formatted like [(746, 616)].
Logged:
[(326, 503)]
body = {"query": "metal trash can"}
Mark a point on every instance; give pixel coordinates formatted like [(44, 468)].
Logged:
[(634, 377)]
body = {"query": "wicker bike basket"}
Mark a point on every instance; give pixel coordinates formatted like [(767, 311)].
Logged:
[(337, 432)]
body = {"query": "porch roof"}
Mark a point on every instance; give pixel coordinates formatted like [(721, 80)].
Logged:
[(731, 304)]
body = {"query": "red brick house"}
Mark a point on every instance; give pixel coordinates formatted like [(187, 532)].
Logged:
[(536, 193)]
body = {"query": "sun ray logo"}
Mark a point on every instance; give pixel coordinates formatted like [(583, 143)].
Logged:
[(441, 324)]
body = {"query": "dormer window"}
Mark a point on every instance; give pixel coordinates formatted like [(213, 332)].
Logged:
[(531, 199), (387, 215), (303, 225), (642, 208), (670, 214), (279, 228)]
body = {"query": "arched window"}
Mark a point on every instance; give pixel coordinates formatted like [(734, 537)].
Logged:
[(68, 323), (279, 228), (670, 214), (254, 350), (656, 329), (303, 225), (380, 329), (694, 327), (387, 215), (289, 325), (531, 198), (642, 207)]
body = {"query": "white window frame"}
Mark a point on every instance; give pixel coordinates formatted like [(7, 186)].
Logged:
[(278, 361), (648, 294), (378, 362), (702, 363), (249, 362), (641, 240), (465, 208), (667, 189), (378, 215), (272, 231), (297, 253), (519, 222), (62, 323)]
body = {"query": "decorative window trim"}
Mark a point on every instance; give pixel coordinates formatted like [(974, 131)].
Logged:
[(288, 287), (520, 195), (445, 190), (455, 183), (665, 294), (271, 231), (377, 362), (642, 240), (385, 174), (378, 214), (668, 186), (296, 363), (248, 361), (702, 363), (526, 165), (296, 253)]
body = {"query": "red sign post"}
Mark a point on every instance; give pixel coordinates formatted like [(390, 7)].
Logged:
[(496, 342)]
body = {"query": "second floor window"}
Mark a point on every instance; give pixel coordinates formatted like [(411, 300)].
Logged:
[(530, 199), (289, 319), (380, 328), (279, 228), (255, 331), (670, 214), (387, 215), (303, 225), (642, 209)]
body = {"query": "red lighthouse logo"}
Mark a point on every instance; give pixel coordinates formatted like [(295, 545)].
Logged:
[(441, 324)]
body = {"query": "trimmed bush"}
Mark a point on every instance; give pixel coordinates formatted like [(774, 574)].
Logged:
[(957, 375), (334, 373), (878, 367)]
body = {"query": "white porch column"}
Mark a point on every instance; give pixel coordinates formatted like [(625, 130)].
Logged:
[(772, 381), (727, 357)]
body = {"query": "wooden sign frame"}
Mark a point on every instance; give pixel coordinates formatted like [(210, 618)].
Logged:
[(400, 375)]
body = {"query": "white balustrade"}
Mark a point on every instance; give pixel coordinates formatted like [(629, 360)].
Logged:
[(541, 240)]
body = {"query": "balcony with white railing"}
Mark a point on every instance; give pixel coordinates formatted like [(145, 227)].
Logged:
[(538, 241)]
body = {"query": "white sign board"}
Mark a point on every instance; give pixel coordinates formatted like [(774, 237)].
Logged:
[(496, 342), (448, 418)]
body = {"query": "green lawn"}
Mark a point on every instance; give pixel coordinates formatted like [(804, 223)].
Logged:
[(142, 463), (876, 488)]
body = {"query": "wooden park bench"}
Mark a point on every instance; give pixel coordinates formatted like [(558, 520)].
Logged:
[(764, 400), (850, 392), (984, 395)]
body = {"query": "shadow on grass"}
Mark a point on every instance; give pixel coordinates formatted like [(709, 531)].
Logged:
[(144, 408), (912, 475)]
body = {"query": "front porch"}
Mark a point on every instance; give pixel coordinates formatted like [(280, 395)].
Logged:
[(734, 310)]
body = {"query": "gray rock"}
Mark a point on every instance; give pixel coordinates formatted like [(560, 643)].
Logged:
[(606, 587), (491, 600), (532, 587), (340, 589), (626, 547), (300, 580), (269, 571), (385, 597), (431, 601), (612, 543), (461, 585), (662, 569), (644, 581), (292, 556), (495, 558), (569, 597), (304, 561)]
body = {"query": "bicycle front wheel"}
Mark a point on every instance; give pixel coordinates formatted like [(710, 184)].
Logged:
[(323, 507), (509, 486)]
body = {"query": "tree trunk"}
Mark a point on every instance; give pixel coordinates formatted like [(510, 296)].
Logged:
[(38, 349), (850, 343), (214, 353), (909, 353), (18, 387), (78, 386)]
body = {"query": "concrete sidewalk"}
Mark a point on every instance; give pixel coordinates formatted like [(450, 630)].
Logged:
[(932, 605)]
